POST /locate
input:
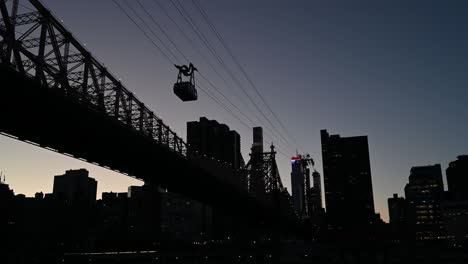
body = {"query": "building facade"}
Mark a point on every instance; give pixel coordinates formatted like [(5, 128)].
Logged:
[(75, 186), (424, 195), (299, 199), (217, 141), (455, 205), (347, 177), (306, 199), (210, 138), (457, 178), (397, 212), (315, 197), (455, 218)]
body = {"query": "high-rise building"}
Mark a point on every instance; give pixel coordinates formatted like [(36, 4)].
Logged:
[(257, 146), (75, 186), (137, 191), (315, 197), (299, 199), (257, 184), (306, 199), (185, 219), (397, 211), (347, 177), (457, 178), (7, 197), (215, 140), (208, 137), (455, 219), (144, 211), (423, 194), (455, 205), (5, 189)]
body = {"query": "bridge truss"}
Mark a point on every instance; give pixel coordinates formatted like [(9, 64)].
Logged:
[(36, 44), (262, 174)]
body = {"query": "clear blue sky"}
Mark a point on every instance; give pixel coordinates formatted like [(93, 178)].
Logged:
[(392, 70)]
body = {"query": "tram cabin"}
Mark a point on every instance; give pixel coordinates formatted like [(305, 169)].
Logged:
[(185, 91)]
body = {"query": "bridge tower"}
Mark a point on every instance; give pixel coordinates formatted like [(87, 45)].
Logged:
[(263, 178), (264, 183)]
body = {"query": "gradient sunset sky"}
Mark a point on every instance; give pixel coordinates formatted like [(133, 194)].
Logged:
[(393, 70)]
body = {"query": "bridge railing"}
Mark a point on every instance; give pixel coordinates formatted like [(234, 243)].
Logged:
[(36, 44)]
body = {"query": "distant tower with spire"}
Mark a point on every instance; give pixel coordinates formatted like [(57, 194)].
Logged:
[(2, 181), (5, 191)]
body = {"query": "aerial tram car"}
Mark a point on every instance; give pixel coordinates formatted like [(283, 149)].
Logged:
[(186, 90)]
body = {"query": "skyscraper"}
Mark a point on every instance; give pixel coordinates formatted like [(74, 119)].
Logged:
[(397, 211), (347, 177), (75, 186), (315, 197), (424, 193), (215, 140), (208, 137), (299, 198), (257, 146), (457, 178), (455, 205), (257, 181), (305, 198)]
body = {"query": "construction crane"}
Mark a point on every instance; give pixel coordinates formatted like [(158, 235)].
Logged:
[(307, 160), (301, 184)]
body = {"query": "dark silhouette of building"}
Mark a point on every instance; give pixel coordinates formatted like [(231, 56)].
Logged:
[(136, 191), (423, 194), (306, 199), (39, 195), (257, 146), (184, 219), (315, 198), (7, 197), (5, 190), (347, 177), (298, 175), (457, 178), (455, 219), (397, 211), (75, 186), (215, 140), (144, 217), (454, 206), (210, 138), (110, 196), (257, 183)]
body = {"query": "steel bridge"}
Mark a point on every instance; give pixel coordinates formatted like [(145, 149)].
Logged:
[(57, 95)]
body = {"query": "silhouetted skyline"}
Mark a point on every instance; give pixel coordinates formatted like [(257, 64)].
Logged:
[(394, 71)]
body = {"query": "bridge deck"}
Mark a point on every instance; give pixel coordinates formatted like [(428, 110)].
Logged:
[(49, 118)]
